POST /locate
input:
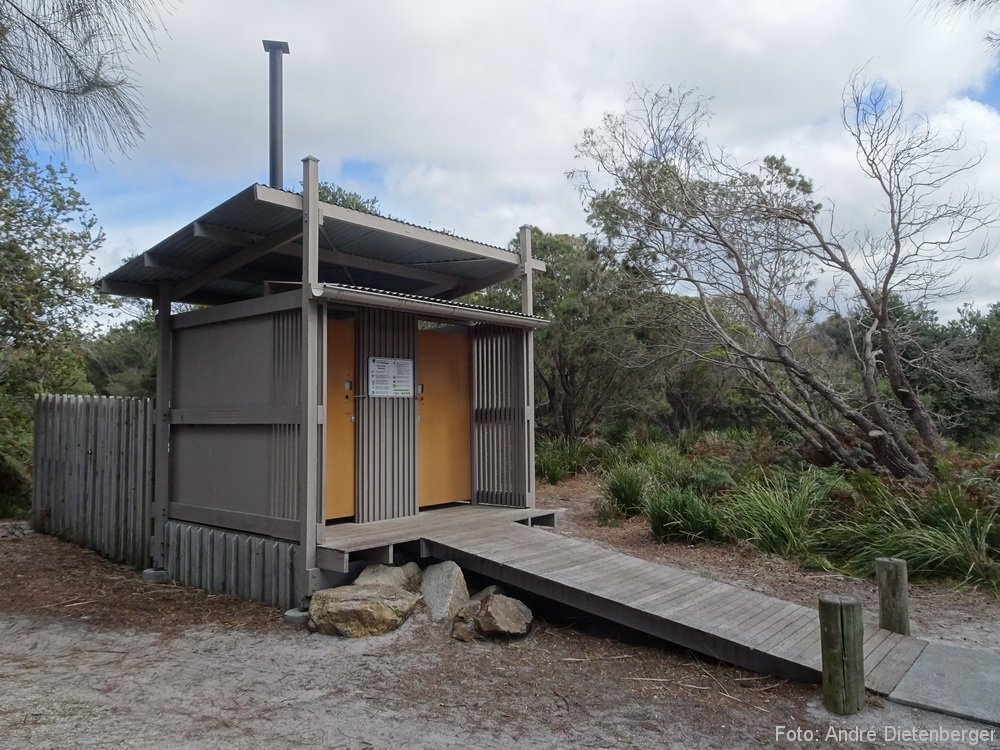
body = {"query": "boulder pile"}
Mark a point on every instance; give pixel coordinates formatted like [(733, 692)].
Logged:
[(384, 596)]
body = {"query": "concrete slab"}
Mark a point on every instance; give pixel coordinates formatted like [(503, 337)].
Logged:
[(956, 681)]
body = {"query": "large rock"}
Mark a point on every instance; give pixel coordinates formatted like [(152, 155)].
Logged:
[(488, 591), (444, 590), (502, 615), (360, 610), (405, 577)]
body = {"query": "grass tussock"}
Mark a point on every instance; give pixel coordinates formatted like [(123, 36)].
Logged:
[(747, 486)]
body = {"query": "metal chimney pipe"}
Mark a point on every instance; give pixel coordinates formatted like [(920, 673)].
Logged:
[(275, 135)]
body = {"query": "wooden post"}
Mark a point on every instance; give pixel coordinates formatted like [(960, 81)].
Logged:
[(842, 635), (893, 595), (528, 308), (309, 436), (161, 441)]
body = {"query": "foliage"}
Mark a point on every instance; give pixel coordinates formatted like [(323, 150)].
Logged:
[(122, 360), (586, 367), (556, 458), (830, 518), (781, 513), (939, 542), (330, 192), (625, 485), (682, 514), (65, 66), (47, 236), (748, 241)]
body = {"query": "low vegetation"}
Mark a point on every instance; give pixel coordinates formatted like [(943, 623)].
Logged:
[(750, 487)]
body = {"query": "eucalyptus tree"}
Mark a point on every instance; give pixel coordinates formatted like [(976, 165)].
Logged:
[(749, 239)]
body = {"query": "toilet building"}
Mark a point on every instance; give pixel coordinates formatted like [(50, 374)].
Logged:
[(325, 375)]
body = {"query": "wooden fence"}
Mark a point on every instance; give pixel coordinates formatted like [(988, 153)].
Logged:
[(93, 471)]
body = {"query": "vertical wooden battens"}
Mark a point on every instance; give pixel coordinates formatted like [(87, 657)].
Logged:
[(499, 426), (386, 427), (309, 470), (92, 473), (161, 443), (528, 368)]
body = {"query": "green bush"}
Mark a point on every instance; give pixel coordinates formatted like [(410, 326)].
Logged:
[(710, 478), (625, 485), (938, 539), (558, 457), (680, 513), (781, 513)]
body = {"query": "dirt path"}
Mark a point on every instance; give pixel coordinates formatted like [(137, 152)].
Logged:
[(90, 656)]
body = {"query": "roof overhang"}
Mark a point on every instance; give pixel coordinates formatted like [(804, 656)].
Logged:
[(233, 250), (425, 307)]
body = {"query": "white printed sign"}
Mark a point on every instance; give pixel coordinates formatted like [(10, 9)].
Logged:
[(390, 378)]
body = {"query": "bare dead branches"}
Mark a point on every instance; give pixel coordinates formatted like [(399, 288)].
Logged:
[(748, 241)]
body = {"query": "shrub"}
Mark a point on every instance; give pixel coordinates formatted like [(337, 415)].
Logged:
[(625, 484), (939, 538), (679, 513), (557, 457), (781, 514), (710, 478), (551, 461)]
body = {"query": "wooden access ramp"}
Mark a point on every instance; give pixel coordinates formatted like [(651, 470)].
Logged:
[(729, 623)]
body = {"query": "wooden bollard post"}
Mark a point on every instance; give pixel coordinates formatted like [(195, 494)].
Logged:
[(893, 597), (842, 635)]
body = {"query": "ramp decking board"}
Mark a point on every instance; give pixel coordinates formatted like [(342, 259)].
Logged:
[(724, 621)]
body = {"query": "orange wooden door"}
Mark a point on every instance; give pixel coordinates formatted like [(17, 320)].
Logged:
[(340, 385), (444, 465)]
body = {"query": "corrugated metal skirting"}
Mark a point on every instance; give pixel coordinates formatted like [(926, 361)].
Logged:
[(386, 431), (228, 562), (500, 472)]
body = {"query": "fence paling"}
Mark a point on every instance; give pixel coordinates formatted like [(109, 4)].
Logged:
[(92, 466)]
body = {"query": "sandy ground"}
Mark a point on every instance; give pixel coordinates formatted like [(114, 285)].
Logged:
[(90, 656)]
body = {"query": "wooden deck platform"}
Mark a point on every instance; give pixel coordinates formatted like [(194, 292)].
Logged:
[(376, 541), (727, 622)]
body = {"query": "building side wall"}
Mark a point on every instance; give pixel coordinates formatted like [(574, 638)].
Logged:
[(235, 423)]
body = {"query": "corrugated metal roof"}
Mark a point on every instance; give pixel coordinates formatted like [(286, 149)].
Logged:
[(357, 249), (444, 303)]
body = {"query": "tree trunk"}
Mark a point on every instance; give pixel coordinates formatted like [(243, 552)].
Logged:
[(901, 388)]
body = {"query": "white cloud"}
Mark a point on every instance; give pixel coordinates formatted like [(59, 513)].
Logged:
[(472, 109)]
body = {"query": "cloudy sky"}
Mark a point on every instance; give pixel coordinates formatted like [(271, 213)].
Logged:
[(463, 115)]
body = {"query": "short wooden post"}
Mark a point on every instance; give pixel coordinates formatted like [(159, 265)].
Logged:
[(893, 595), (842, 635)]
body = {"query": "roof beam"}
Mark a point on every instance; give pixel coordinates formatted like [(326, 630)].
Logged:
[(225, 234), (248, 254), (474, 285), (185, 265), (400, 270), (127, 289)]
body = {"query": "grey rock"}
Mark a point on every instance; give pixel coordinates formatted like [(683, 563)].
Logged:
[(444, 590), (296, 616), (361, 609), (464, 631), (405, 576), (152, 575), (488, 591), (502, 615)]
